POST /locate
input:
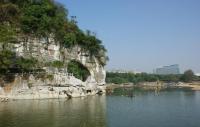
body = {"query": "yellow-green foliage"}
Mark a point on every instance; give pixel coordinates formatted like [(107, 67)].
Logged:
[(50, 77), (56, 64)]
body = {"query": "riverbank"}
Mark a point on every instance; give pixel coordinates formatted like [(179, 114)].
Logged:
[(155, 85), (192, 86), (47, 92)]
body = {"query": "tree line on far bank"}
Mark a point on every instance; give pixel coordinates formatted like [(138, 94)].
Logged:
[(119, 78)]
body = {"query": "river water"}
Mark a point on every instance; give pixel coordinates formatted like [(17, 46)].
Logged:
[(167, 108)]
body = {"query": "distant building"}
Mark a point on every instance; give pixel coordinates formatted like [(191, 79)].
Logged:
[(166, 70)]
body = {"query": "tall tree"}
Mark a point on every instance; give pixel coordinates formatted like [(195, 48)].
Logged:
[(188, 76)]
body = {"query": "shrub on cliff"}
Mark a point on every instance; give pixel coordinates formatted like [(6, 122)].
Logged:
[(6, 60)]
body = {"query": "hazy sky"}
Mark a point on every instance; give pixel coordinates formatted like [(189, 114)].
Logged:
[(143, 34)]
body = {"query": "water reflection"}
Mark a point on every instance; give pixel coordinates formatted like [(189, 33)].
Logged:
[(166, 108), (78, 112), (141, 91)]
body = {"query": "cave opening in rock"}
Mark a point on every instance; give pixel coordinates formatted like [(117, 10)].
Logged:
[(78, 70)]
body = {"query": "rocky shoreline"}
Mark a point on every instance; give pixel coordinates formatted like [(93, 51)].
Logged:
[(46, 92)]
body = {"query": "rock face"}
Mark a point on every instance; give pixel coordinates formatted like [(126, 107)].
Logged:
[(54, 82)]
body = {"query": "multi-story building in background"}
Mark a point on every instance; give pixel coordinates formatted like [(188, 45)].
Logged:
[(166, 70)]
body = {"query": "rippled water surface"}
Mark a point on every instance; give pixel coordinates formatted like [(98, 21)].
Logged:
[(168, 108), (77, 112)]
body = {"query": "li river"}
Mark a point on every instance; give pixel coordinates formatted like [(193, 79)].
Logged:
[(167, 108)]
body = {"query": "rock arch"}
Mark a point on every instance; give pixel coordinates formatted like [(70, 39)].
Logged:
[(78, 69)]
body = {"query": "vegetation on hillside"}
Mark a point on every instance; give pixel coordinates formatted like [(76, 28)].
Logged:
[(42, 19)]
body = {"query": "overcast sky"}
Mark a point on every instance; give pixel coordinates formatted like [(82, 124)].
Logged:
[(143, 34)]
